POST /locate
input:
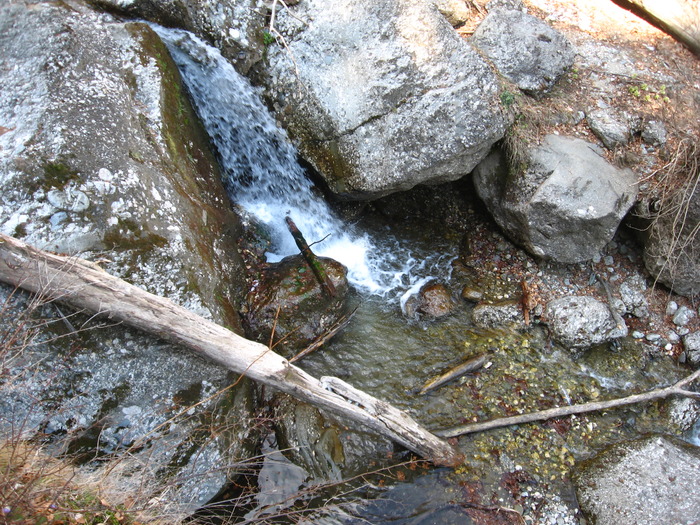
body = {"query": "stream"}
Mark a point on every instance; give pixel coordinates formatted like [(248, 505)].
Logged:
[(511, 474)]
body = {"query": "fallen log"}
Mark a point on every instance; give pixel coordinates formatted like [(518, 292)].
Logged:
[(678, 18), (85, 286)]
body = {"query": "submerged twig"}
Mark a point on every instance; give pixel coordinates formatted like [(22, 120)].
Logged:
[(325, 336), (551, 413), (463, 368)]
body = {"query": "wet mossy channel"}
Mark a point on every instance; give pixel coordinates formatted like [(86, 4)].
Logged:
[(526, 467)]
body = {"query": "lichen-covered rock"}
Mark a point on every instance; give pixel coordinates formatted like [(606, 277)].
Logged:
[(498, 315), (288, 304), (236, 27), (524, 49), (382, 95), (565, 204), (102, 156), (691, 343), (611, 127), (457, 12), (632, 296), (580, 322), (651, 480)]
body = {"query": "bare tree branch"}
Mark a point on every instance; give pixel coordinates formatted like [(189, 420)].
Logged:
[(551, 413)]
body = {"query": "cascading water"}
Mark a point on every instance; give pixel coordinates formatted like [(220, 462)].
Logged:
[(262, 175)]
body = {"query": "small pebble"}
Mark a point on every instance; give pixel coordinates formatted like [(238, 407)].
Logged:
[(653, 337), (637, 334), (608, 260), (673, 337), (671, 307)]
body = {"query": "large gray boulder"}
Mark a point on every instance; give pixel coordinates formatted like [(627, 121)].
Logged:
[(672, 246), (236, 27), (524, 49), (565, 205), (382, 95), (102, 156), (651, 480)]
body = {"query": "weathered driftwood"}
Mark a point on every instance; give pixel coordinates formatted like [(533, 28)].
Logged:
[(453, 373), (551, 413), (679, 18), (83, 285)]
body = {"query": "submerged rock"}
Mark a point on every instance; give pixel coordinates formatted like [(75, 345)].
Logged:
[(288, 305), (651, 480), (526, 50), (326, 449), (580, 322), (433, 300), (498, 315), (382, 95), (565, 205), (102, 156)]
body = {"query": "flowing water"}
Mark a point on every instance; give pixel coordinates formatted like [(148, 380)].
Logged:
[(524, 469), (263, 176)]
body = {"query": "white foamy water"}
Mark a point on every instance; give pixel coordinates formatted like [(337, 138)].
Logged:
[(262, 175)]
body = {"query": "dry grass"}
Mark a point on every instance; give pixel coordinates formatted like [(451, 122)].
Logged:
[(668, 204)]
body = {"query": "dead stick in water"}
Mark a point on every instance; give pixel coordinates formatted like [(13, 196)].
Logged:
[(659, 393), (324, 337), (311, 258), (453, 373)]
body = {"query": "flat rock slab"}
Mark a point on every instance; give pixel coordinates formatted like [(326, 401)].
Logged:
[(649, 481)]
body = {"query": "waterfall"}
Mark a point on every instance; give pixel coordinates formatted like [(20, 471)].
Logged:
[(262, 175)]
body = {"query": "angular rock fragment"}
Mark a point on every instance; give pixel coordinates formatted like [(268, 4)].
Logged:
[(580, 322), (565, 204), (524, 49)]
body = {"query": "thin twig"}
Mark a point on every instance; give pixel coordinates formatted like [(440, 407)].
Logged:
[(325, 336), (551, 413)]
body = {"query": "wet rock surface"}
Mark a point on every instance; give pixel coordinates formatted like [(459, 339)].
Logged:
[(235, 27), (102, 156), (498, 315), (653, 480), (433, 300), (566, 204), (356, 124), (288, 306)]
